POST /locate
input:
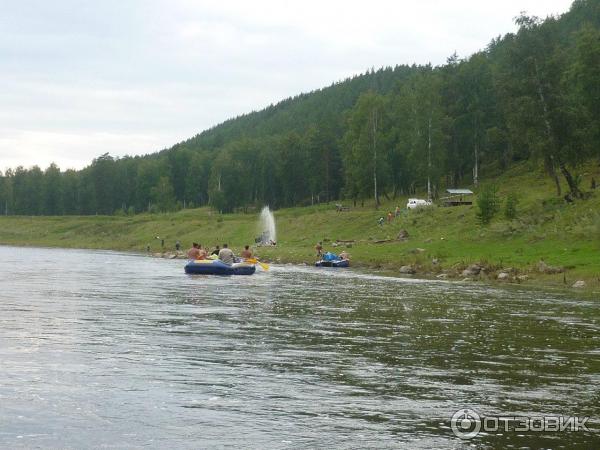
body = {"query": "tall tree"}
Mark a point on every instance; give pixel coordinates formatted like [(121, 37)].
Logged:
[(52, 189), (102, 173), (163, 195), (364, 157)]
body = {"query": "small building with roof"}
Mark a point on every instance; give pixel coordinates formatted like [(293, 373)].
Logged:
[(457, 197)]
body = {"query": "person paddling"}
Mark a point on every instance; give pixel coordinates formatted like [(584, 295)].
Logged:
[(246, 253), (226, 255), (194, 252)]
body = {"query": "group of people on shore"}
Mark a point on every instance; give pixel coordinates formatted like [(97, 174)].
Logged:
[(390, 216), (224, 254)]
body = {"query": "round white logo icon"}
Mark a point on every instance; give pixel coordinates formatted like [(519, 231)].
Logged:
[(465, 423)]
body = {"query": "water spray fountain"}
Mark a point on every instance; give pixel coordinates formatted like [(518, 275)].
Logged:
[(268, 233)]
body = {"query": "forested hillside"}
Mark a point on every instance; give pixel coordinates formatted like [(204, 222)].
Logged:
[(530, 95)]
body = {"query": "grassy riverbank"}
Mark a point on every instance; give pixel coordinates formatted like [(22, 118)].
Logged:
[(441, 240)]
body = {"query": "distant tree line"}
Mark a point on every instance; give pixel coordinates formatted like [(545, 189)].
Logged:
[(532, 95)]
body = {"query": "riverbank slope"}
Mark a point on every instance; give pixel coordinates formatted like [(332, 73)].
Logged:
[(550, 241)]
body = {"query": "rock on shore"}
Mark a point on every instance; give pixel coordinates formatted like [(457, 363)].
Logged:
[(170, 255)]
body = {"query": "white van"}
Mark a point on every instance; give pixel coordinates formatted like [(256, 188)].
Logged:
[(417, 203)]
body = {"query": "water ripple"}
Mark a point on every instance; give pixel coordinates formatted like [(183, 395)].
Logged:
[(101, 349)]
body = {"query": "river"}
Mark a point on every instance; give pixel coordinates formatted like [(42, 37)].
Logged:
[(110, 350)]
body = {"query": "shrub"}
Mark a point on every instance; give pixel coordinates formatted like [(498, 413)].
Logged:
[(510, 207), (487, 204)]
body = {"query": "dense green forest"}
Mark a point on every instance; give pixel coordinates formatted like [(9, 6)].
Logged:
[(534, 95)]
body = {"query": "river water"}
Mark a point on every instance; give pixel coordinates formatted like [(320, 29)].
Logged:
[(109, 350)]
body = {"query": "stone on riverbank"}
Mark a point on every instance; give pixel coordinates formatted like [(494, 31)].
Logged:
[(408, 270), (542, 267), (170, 255), (472, 271), (403, 235)]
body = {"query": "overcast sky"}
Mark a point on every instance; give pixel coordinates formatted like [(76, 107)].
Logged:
[(80, 78)]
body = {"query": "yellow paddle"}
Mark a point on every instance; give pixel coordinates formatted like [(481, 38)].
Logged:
[(265, 266)]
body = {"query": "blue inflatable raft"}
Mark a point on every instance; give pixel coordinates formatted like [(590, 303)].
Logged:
[(216, 267), (332, 260), (336, 263)]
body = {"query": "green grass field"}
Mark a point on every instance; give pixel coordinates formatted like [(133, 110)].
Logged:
[(546, 227)]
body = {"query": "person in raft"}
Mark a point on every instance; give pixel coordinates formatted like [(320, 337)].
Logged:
[(319, 248), (345, 255), (216, 251), (226, 255), (246, 253), (202, 252), (193, 252)]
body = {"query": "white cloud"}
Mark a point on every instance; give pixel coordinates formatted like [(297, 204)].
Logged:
[(82, 79), (31, 147)]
